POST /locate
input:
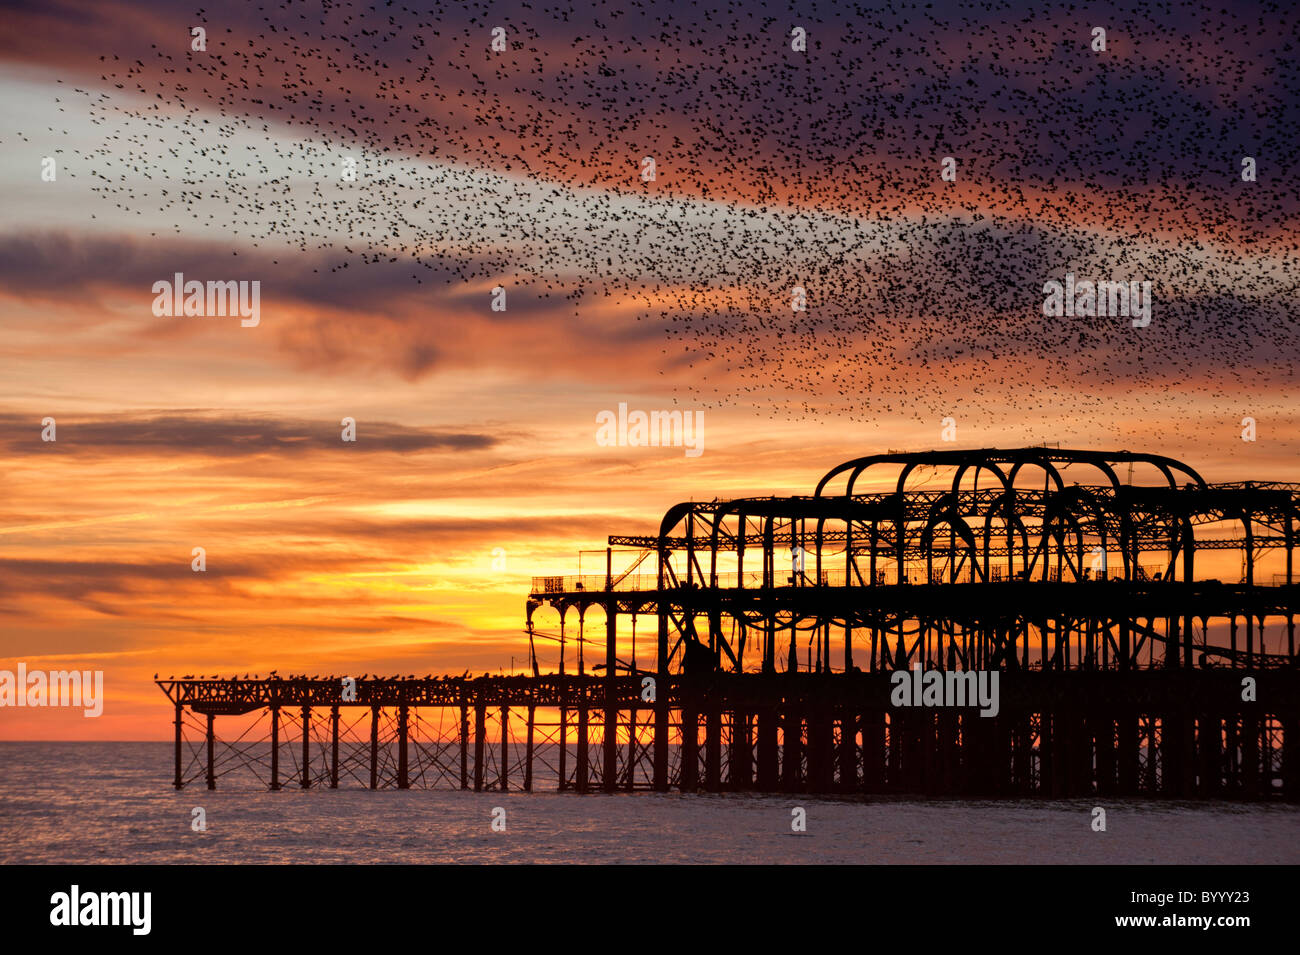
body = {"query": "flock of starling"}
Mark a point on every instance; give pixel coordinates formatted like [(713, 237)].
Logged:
[(775, 168)]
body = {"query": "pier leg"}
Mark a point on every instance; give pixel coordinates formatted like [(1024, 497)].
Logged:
[(1019, 755), (1156, 768), (713, 749), (742, 751), (1081, 775), (1171, 754), (848, 750), (212, 739), (630, 775), (1231, 745), (873, 752), (403, 778), (480, 738), (275, 747), (791, 755), (1291, 758), (821, 746), (768, 754), (1187, 753), (609, 782), (374, 747), (1250, 757), (609, 732), (178, 782), (505, 749), (661, 742), (1104, 729), (661, 689), (306, 747), (528, 752), (584, 718), (564, 748), (334, 747), (965, 725), (689, 781), (1004, 729), (1049, 778), (1127, 743), (464, 746), (1209, 741), (946, 747), (893, 760), (928, 731)]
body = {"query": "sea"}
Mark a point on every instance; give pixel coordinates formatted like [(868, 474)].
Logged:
[(87, 803)]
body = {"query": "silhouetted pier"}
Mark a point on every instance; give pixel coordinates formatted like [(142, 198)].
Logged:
[(1142, 635)]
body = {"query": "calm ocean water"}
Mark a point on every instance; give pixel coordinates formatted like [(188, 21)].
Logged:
[(112, 802)]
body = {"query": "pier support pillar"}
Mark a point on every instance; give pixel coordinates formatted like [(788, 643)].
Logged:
[(480, 738), (374, 747), (609, 733), (564, 744), (848, 754), (873, 752), (713, 749), (1209, 742), (334, 747), (528, 751), (1291, 758), (1250, 757), (212, 740), (275, 747), (464, 746), (178, 781), (1174, 753), (306, 747), (742, 751), (505, 749), (1126, 740), (791, 750), (1049, 756), (403, 779), (1103, 728), (821, 748), (690, 772), (584, 752), (1020, 755), (661, 743), (631, 748), (768, 754)]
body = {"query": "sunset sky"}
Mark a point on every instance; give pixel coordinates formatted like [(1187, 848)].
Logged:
[(476, 429)]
